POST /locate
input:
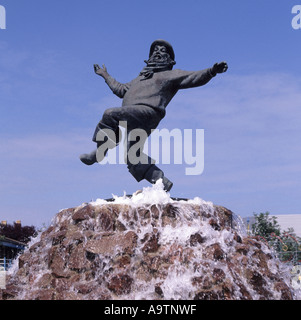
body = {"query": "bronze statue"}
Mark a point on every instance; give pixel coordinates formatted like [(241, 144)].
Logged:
[(144, 101)]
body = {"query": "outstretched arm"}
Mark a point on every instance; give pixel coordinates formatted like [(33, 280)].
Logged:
[(118, 88), (191, 79)]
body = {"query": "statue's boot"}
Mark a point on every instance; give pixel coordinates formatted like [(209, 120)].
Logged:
[(99, 154), (88, 158), (154, 174), (150, 172), (106, 138)]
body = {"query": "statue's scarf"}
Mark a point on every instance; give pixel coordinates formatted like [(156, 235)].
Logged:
[(153, 67)]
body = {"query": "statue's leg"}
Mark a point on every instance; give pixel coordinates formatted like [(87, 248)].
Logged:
[(110, 121), (107, 135), (142, 166), (134, 117), (150, 173)]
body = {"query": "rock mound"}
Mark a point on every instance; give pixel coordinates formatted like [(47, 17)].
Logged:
[(145, 248)]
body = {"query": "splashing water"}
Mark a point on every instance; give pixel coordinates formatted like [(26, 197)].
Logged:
[(147, 246)]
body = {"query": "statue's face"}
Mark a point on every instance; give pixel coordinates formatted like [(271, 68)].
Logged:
[(160, 54)]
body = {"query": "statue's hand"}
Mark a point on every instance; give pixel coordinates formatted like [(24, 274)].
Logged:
[(220, 67), (100, 71)]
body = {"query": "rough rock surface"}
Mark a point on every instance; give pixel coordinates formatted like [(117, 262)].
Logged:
[(168, 250)]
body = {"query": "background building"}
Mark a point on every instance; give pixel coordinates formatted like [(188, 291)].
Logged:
[(9, 249)]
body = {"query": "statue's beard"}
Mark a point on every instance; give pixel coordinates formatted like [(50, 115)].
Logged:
[(157, 60), (156, 63)]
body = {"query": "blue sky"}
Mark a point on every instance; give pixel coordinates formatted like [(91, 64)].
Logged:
[(51, 100)]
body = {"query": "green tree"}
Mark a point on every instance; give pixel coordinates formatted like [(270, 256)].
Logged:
[(286, 243), (265, 225)]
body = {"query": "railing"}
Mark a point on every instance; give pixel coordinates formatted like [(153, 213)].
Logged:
[(5, 263), (287, 248)]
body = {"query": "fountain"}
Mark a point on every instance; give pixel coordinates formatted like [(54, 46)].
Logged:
[(147, 247)]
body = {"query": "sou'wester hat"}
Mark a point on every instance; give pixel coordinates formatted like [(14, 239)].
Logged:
[(162, 43)]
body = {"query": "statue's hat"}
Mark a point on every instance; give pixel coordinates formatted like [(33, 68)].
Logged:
[(161, 42)]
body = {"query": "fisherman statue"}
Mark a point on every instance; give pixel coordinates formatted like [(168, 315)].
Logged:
[(144, 102)]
